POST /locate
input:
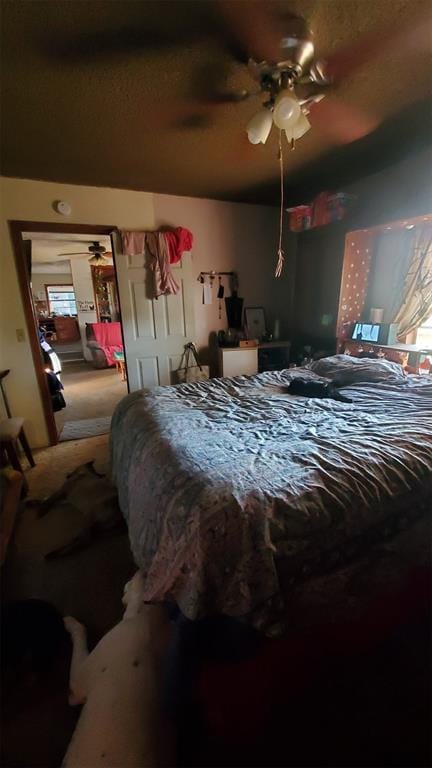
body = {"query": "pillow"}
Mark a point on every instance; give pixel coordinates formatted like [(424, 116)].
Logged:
[(349, 370)]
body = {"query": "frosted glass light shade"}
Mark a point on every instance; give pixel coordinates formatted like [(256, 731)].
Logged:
[(286, 110), (98, 261), (299, 128), (258, 129)]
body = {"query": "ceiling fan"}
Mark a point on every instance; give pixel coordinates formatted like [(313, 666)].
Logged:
[(276, 47), (96, 252), (291, 79), (279, 52), (278, 81)]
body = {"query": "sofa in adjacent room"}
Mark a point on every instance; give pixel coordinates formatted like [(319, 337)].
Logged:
[(100, 355)]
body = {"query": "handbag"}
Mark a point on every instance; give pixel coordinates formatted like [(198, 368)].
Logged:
[(189, 369)]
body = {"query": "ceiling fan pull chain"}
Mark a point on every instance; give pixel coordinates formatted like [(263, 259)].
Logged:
[(280, 253)]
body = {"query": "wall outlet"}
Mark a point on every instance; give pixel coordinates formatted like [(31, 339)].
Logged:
[(20, 334)]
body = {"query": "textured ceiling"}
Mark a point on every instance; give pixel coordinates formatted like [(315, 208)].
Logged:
[(106, 93)]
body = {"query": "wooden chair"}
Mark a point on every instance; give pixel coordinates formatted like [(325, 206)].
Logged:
[(12, 431)]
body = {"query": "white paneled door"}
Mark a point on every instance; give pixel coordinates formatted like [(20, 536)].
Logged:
[(154, 330)]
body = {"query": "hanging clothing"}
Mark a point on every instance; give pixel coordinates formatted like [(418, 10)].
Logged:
[(157, 247), (133, 243), (179, 240), (164, 248)]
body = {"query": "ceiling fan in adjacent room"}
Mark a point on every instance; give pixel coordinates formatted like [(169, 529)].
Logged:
[(96, 251)]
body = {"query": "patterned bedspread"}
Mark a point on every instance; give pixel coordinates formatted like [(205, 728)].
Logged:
[(221, 482)]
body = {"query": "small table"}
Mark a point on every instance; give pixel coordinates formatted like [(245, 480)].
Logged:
[(120, 364), (414, 351), (247, 361)]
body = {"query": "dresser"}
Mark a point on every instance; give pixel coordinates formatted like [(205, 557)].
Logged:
[(246, 361), (66, 329)]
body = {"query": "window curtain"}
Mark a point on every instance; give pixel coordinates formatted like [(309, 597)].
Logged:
[(416, 305), (359, 246), (389, 269)]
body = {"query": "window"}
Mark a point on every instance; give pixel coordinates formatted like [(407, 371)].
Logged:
[(61, 299), (424, 333)]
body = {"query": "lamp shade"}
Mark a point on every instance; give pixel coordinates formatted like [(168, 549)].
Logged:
[(286, 110), (259, 127), (299, 128)]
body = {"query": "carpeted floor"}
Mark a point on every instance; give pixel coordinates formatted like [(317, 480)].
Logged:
[(88, 584), (347, 685), (78, 430), (38, 723), (91, 395), (54, 463)]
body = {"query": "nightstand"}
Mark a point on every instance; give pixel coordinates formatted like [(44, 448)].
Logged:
[(238, 361), (244, 361)]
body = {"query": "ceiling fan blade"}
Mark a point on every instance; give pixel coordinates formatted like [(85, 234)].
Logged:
[(91, 46), (378, 43), (255, 29), (248, 29), (194, 116), (342, 123), (184, 24), (80, 253)]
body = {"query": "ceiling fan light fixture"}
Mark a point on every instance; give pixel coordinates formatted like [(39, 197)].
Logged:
[(299, 129), (286, 110), (97, 248), (259, 127), (98, 261), (298, 53)]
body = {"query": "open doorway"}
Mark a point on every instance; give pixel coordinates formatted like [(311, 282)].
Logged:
[(72, 289)]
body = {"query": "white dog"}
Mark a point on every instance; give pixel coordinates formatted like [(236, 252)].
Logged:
[(120, 684)]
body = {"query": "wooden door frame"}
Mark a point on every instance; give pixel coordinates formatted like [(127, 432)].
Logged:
[(16, 228)]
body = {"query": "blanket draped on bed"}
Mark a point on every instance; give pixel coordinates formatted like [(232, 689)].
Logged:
[(221, 482)]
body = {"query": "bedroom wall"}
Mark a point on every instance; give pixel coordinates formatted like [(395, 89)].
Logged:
[(39, 280), (84, 291), (402, 191), (233, 236), (227, 236), (32, 201)]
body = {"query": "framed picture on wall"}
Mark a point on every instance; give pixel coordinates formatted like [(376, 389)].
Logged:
[(86, 306), (255, 322)]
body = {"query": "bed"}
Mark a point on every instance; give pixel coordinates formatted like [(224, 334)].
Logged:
[(233, 489)]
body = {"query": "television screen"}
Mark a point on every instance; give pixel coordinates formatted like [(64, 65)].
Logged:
[(365, 332)]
